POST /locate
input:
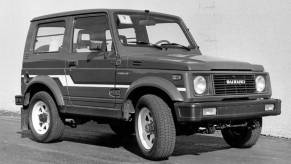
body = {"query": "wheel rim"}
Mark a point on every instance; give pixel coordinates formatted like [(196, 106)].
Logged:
[(146, 128), (40, 117)]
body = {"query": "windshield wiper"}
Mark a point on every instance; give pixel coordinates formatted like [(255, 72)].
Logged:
[(146, 43), (176, 45)]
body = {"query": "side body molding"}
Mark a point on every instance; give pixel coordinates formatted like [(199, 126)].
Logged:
[(165, 85), (50, 84)]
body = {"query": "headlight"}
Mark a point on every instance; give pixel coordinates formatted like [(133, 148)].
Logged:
[(260, 83), (199, 84)]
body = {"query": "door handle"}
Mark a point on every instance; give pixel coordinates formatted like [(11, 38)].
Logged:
[(72, 63)]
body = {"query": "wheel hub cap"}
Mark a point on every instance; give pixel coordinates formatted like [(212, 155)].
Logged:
[(149, 128), (43, 117), (40, 117)]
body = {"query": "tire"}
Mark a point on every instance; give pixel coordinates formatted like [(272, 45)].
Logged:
[(156, 135), (122, 128), (44, 119), (243, 137)]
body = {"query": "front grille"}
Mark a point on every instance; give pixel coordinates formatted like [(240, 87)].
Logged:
[(234, 84)]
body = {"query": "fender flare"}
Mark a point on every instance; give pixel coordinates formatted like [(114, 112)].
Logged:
[(50, 84), (165, 85)]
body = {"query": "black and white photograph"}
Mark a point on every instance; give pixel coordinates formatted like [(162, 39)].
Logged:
[(145, 81)]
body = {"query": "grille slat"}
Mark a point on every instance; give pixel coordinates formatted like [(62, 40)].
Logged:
[(222, 88)]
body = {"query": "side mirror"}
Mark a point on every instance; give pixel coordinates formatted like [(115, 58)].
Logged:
[(95, 45)]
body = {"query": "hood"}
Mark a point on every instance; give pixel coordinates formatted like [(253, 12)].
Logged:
[(189, 62)]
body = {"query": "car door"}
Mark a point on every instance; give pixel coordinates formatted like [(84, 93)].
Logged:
[(45, 52), (91, 63)]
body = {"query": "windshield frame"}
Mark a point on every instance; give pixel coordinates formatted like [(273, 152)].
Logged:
[(176, 19)]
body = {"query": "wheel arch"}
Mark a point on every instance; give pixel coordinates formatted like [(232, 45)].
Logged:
[(156, 83), (43, 83), (151, 85)]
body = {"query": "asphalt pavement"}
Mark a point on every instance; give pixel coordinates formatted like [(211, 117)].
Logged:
[(93, 143)]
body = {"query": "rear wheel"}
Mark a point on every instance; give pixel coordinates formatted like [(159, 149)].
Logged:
[(243, 137), (44, 119), (154, 128)]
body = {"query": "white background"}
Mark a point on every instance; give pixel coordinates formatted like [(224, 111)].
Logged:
[(247, 30)]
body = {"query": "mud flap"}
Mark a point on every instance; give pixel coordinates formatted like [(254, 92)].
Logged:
[(24, 119), (127, 110)]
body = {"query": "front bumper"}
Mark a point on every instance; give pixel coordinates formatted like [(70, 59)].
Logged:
[(226, 110)]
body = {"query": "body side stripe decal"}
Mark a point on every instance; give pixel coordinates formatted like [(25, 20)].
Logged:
[(66, 80)]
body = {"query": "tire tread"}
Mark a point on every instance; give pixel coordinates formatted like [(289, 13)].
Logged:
[(166, 132)]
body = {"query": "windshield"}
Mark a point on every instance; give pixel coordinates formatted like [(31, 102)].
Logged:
[(149, 30)]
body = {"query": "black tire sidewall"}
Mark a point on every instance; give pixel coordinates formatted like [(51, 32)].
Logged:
[(46, 98), (246, 139)]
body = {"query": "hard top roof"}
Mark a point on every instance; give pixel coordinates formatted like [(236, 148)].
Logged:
[(88, 11)]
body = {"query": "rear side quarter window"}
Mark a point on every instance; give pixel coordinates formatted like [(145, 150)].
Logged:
[(49, 37)]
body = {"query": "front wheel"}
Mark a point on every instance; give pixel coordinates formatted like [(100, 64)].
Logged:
[(154, 128), (243, 137)]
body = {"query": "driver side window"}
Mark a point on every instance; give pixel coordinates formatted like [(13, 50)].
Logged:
[(91, 34)]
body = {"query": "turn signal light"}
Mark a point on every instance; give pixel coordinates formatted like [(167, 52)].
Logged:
[(269, 107), (209, 111)]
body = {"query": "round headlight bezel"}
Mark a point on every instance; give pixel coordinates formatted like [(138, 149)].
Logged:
[(200, 85), (260, 83)]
